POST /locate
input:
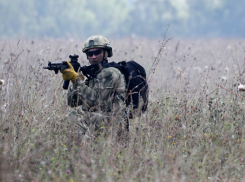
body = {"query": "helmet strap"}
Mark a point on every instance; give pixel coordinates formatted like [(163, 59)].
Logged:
[(104, 54)]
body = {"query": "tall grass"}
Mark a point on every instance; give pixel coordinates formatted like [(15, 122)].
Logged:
[(193, 128)]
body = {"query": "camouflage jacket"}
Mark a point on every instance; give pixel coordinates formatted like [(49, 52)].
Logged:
[(99, 94)]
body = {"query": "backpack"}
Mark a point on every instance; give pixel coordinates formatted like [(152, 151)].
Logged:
[(136, 84)]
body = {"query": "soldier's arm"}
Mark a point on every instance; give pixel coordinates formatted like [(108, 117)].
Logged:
[(104, 85)]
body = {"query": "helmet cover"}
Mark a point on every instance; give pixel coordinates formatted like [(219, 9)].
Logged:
[(98, 41)]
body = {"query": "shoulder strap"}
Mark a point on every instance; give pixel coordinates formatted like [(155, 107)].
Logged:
[(121, 69), (113, 64)]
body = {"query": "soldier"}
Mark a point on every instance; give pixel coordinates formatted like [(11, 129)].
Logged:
[(100, 95)]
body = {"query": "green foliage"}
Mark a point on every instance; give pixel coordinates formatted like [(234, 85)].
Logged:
[(219, 18), (151, 18), (74, 18), (117, 18)]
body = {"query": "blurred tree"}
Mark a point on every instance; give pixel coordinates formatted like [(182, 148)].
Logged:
[(117, 18), (16, 18), (110, 17), (64, 18), (151, 18), (231, 18), (59, 18), (216, 18)]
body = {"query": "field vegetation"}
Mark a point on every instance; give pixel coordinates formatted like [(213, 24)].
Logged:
[(193, 129)]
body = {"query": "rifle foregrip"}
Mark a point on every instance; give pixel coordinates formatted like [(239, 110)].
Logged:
[(66, 84)]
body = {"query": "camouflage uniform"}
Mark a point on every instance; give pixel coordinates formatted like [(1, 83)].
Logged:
[(100, 101), (99, 97)]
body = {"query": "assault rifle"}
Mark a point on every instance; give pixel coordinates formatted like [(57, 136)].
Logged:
[(56, 66)]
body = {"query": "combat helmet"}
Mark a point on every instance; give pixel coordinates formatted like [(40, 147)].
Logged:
[(98, 41)]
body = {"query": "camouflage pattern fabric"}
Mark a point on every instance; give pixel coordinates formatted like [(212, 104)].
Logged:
[(99, 100)]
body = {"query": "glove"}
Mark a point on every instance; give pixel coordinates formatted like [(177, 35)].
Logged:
[(69, 73)]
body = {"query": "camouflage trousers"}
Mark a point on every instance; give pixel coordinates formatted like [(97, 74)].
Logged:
[(96, 123)]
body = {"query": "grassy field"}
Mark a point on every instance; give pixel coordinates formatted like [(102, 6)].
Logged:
[(193, 129)]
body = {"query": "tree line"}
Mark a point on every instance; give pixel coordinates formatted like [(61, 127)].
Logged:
[(119, 18)]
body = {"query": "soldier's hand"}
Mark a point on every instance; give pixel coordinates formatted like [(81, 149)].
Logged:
[(69, 73)]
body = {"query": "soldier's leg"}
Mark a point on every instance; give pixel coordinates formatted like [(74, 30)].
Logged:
[(93, 122), (74, 118), (98, 122)]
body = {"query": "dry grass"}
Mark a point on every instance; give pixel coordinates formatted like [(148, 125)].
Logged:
[(193, 129)]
